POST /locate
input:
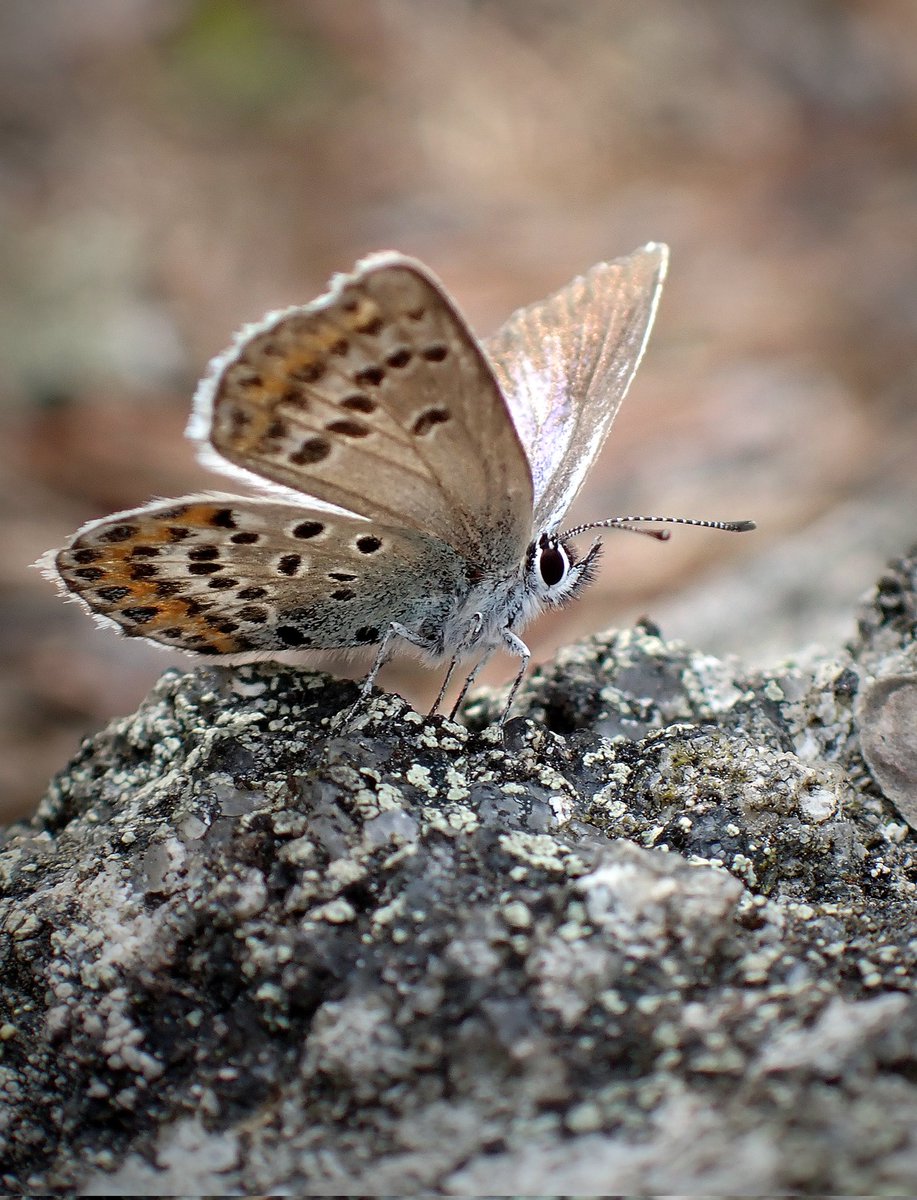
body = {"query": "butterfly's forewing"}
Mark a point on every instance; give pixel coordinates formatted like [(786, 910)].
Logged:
[(377, 398), (227, 575), (565, 364)]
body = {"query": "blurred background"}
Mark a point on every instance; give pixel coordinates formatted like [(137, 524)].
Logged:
[(170, 169)]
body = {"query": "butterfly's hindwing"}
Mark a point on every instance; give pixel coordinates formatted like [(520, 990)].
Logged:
[(228, 576), (378, 399)]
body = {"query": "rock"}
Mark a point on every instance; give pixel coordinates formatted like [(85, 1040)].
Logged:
[(659, 938), (888, 737)]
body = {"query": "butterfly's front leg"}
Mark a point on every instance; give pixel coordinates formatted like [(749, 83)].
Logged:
[(515, 645)]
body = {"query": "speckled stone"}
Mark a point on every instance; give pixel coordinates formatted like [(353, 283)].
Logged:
[(659, 938)]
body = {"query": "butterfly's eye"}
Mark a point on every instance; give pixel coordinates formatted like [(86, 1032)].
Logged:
[(553, 563)]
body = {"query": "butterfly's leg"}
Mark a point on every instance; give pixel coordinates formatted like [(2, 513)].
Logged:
[(477, 622), (442, 691), (515, 645), (383, 654), (482, 662)]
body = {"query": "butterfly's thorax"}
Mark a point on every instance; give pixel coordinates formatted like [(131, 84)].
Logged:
[(491, 605), (495, 604)]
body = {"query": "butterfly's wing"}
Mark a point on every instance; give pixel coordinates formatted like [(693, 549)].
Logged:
[(565, 364), (227, 575), (378, 399)]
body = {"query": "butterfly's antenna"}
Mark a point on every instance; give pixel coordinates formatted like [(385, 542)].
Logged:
[(661, 535)]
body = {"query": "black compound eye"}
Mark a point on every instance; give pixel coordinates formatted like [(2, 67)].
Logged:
[(552, 564)]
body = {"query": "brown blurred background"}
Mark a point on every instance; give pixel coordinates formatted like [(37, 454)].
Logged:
[(170, 169)]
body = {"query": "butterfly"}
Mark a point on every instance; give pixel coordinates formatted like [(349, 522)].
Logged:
[(414, 478)]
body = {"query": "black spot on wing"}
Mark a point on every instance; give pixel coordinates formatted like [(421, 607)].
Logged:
[(140, 615), (292, 636), (111, 595), (289, 564), (359, 403), (372, 375), (312, 450), (119, 533), (349, 428), (308, 529), (428, 420)]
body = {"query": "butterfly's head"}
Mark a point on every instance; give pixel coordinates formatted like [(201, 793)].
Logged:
[(554, 575)]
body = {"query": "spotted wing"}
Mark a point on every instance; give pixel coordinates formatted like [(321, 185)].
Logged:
[(377, 398), (226, 575), (565, 364)]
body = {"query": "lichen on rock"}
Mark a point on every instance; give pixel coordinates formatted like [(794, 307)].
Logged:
[(659, 937)]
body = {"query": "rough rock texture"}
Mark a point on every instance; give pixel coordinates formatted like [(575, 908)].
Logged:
[(661, 940)]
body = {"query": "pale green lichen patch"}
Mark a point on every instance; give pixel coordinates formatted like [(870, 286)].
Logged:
[(420, 778), (543, 852), (451, 819)]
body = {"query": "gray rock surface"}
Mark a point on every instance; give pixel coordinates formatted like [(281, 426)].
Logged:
[(660, 940)]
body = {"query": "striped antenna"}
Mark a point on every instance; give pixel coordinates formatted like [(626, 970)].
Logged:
[(661, 535)]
